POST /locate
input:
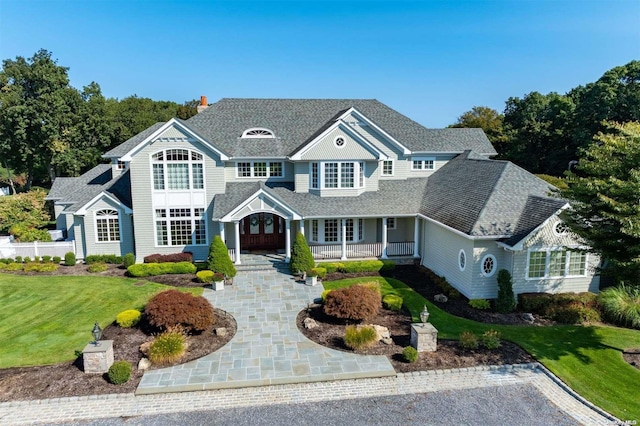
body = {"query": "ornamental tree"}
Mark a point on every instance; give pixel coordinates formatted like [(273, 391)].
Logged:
[(604, 192)]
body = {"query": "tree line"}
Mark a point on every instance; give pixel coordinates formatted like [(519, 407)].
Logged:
[(544, 133), (49, 128)]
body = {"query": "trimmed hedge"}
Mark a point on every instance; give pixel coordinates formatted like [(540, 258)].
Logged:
[(70, 258), (184, 256), (151, 269), (358, 266), (568, 308), (119, 372), (128, 260), (103, 258), (97, 267)]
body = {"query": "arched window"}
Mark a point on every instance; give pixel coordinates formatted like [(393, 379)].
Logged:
[(107, 226), (177, 169), (258, 132)]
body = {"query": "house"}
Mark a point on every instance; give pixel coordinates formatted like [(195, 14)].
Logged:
[(357, 178)]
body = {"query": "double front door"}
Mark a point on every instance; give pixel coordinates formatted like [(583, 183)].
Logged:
[(262, 231)]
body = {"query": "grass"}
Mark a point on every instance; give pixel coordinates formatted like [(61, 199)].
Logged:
[(45, 320), (587, 358)]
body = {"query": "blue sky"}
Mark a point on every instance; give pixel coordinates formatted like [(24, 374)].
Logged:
[(430, 60)]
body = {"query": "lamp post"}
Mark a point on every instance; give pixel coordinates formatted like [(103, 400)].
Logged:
[(97, 333), (424, 315)]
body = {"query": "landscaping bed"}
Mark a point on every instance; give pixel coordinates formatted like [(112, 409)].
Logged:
[(68, 379)]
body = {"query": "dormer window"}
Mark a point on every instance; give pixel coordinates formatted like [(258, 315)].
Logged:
[(257, 132)]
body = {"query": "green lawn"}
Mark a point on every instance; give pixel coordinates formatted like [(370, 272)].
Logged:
[(44, 320), (588, 359)]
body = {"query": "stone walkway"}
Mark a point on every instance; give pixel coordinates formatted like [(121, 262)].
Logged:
[(268, 348)]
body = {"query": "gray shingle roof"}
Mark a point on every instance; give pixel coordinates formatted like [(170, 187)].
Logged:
[(132, 142), (78, 191), (295, 121), (536, 211)]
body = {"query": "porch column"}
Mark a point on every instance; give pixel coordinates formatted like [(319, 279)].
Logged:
[(416, 233), (222, 236), (384, 238), (287, 240), (302, 227), (343, 225), (236, 224)]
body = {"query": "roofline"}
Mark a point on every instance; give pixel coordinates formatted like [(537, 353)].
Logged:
[(83, 210), (462, 234), (364, 216), (405, 150), (520, 243), (162, 129), (261, 190)]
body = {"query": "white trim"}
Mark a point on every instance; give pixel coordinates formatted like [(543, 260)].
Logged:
[(547, 263), (393, 168), (462, 255), (462, 234), (271, 134), (181, 126), (561, 234), (107, 217), (352, 110), (344, 142), (168, 219), (82, 211), (359, 169), (320, 223), (520, 244), (292, 215), (252, 169), (422, 161), (494, 265)]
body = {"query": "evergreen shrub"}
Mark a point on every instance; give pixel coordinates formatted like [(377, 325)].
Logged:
[(151, 269), (301, 256), (128, 260), (506, 301), (128, 318), (69, 258), (97, 267), (119, 372), (410, 354), (219, 260)]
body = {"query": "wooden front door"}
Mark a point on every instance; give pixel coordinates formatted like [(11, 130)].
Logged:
[(262, 231)]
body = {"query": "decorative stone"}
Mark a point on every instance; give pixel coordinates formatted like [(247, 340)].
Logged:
[(424, 337), (144, 348), (440, 298), (218, 285), (222, 331), (381, 332), (98, 358), (310, 323), (311, 280), (528, 317), (387, 340), (144, 364)]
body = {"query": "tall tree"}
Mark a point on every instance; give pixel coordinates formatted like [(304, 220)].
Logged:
[(604, 193), (487, 119)]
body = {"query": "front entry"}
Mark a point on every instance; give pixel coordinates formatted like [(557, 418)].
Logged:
[(262, 231)]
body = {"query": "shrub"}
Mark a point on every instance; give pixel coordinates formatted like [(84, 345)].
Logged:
[(103, 258), (442, 284), (219, 260), (26, 234), (481, 304), (14, 267), (70, 258), (357, 303), (358, 266), (184, 256), (410, 354), (205, 276), (128, 318), (128, 260), (621, 305), (168, 347), (97, 267), (534, 302), (18, 259), (392, 301), (46, 259), (26, 259), (119, 372), (490, 339), (173, 307), (468, 340), (301, 257), (358, 338), (57, 259), (39, 267), (568, 308), (320, 272), (36, 259), (324, 295), (506, 301), (152, 269)]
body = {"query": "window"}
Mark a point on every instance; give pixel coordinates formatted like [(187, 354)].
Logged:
[(423, 163), (462, 259), (391, 223), (332, 175), (259, 169), (488, 265), (177, 169), (107, 226), (339, 141), (183, 226), (561, 228), (121, 165), (330, 230), (387, 168), (257, 132), (555, 263)]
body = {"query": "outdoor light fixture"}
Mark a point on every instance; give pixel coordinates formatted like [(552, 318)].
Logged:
[(97, 333), (424, 315)]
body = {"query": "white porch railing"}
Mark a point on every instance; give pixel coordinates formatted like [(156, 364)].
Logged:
[(37, 248), (334, 251), (232, 253)]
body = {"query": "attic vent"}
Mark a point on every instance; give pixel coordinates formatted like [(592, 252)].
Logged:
[(258, 132)]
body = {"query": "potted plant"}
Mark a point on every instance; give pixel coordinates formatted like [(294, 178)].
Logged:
[(218, 281), (311, 277)]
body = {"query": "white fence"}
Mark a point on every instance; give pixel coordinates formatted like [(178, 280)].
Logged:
[(334, 251), (37, 248)]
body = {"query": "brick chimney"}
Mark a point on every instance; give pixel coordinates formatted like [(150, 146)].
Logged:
[(203, 104)]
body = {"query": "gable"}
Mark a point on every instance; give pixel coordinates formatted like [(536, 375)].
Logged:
[(547, 235), (261, 201), (353, 147)]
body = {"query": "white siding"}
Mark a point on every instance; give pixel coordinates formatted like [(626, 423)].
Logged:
[(119, 248), (487, 287), (325, 149)]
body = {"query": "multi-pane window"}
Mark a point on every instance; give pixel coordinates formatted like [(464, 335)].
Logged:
[(314, 230), (488, 265), (360, 229), (422, 163), (331, 175), (330, 230), (182, 226), (387, 168), (556, 263), (391, 223), (259, 169), (177, 169), (107, 226)]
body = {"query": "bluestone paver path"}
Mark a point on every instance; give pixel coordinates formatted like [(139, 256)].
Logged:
[(268, 348)]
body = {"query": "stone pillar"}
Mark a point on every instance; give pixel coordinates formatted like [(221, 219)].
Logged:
[(236, 225), (384, 238), (424, 337), (98, 359), (416, 236)]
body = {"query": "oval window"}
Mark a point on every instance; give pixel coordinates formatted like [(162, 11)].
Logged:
[(462, 260)]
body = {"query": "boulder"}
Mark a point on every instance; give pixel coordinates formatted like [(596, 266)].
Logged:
[(144, 364), (440, 298), (144, 348), (528, 317), (382, 333), (310, 323), (222, 331)]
